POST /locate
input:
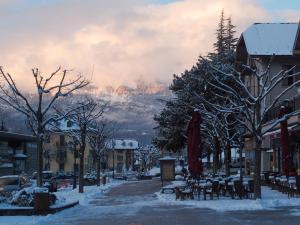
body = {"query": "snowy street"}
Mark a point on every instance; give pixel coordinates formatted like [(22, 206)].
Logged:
[(136, 203)]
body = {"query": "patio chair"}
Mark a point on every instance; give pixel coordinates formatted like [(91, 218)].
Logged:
[(183, 194), (239, 189), (227, 188), (296, 189), (214, 189)]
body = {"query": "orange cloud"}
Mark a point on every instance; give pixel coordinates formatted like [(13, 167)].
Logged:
[(120, 43)]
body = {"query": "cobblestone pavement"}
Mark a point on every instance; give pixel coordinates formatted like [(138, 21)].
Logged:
[(134, 203)]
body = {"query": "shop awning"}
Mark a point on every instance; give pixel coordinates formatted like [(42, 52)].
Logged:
[(277, 131)]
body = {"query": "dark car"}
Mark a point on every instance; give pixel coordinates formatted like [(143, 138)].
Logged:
[(62, 180), (47, 180), (47, 175)]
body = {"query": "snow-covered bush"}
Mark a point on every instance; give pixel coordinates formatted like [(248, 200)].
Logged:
[(25, 197)]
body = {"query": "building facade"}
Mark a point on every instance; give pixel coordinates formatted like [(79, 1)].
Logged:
[(18, 154), (276, 45), (120, 154)]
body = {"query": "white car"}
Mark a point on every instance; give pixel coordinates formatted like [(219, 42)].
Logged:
[(12, 183)]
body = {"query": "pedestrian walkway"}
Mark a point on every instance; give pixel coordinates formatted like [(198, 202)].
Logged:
[(135, 203)]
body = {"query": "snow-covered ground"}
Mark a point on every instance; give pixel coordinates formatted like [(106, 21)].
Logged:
[(68, 195), (154, 171), (270, 199), (65, 195), (134, 198)]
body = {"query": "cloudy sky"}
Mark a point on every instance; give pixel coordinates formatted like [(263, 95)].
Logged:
[(121, 41)]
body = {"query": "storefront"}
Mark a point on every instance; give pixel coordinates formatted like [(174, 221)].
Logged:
[(272, 154)]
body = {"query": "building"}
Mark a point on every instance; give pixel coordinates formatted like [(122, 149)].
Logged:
[(18, 153), (120, 154), (257, 46), (61, 151)]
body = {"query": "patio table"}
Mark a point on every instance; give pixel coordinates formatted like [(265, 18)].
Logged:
[(201, 187)]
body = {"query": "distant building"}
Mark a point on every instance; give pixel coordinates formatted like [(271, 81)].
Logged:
[(61, 152), (120, 154), (18, 153)]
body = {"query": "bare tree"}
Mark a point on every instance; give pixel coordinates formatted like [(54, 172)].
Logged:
[(147, 155), (97, 140), (49, 88), (85, 112), (250, 102)]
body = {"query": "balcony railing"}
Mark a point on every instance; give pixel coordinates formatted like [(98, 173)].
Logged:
[(292, 105)]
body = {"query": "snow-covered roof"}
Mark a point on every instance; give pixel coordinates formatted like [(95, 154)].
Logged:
[(270, 38), (122, 144), (63, 125)]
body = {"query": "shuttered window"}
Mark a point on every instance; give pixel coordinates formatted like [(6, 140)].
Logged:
[(289, 80)]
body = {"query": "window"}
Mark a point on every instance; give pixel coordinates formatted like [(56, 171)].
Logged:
[(62, 140), (69, 123), (61, 167), (120, 157), (289, 80)]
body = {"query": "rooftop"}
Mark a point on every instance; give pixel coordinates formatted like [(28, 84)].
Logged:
[(122, 144), (271, 38), (9, 136)]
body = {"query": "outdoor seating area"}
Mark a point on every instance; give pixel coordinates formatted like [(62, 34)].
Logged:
[(289, 185), (212, 187)]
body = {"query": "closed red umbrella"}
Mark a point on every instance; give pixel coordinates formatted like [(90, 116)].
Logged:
[(284, 143), (194, 145)]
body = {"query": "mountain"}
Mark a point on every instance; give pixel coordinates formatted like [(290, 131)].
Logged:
[(132, 109)]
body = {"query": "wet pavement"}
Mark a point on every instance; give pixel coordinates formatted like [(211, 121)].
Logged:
[(135, 203)]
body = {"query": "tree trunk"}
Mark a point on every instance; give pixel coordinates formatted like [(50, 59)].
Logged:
[(257, 180), (98, 171), (227, 160), (241, 162), (39, 151), (214, 162), (298, 146), (216, 153), (81, 169)]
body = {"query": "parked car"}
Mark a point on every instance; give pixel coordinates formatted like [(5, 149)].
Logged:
[(62, 180), (13, 183), (47, 175), (47, 180)]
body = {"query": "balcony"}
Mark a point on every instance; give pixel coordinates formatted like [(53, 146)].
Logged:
[(293, 105)]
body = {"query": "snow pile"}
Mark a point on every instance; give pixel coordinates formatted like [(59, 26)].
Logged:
[(178, 169), (155, 171), (25, 196), (270, 199), (69, 195)]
